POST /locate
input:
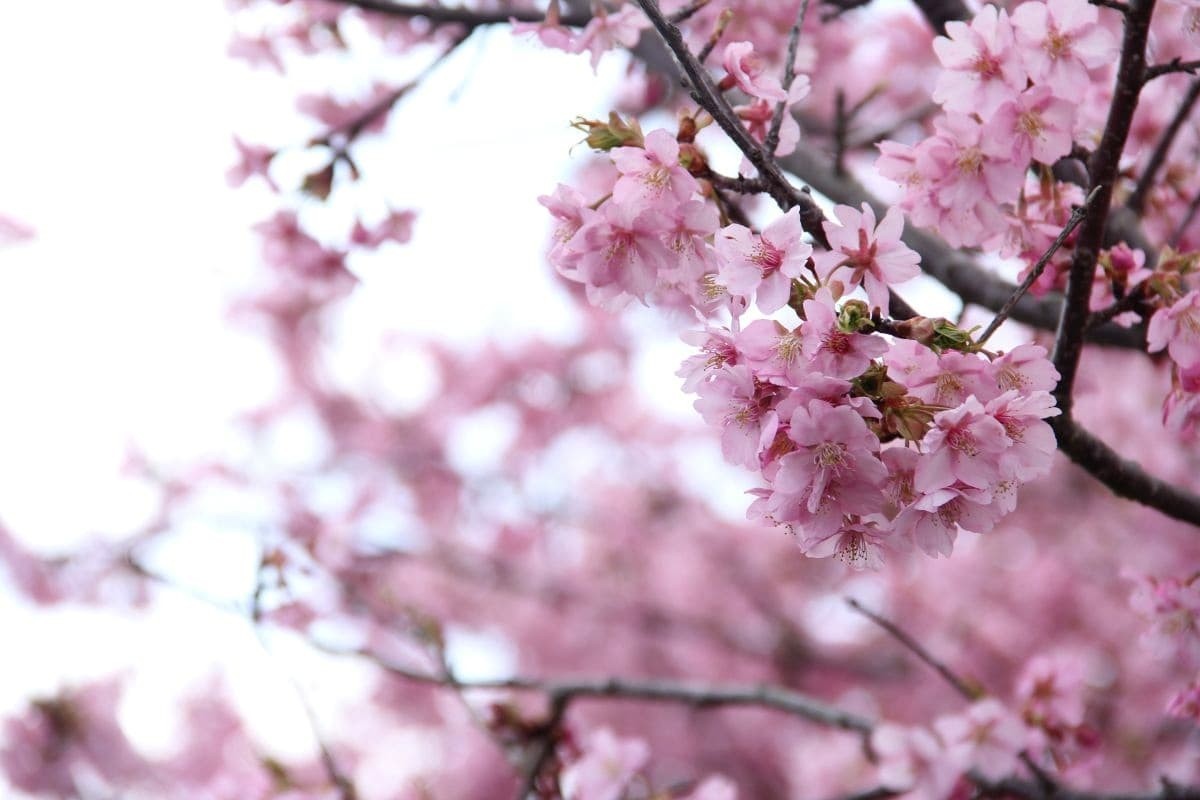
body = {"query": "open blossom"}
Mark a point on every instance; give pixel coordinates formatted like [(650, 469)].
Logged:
[(750, 73), (764, 264), (1051, 690), (858, 544), (863, 253), (831, 350), (964, 444), (716, 350), (567, 206), (606, 768), (652, 175), (913, 760), (735, 400), (608, 30), (1024, 368), (618, 252), (1060, 41), (941, 380), (1181, 408), (982, 69), (1033, 444), (1178, 330), (933, 522), (834, 471), (986, 737), (1036, 124), (550, 30), (774, 352)]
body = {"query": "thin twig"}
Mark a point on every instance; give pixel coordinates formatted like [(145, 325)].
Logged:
[(468, 17), (1188, 216), (686, 13), (789, 76), (961, 686), (701, 696), (1170, 67), (1077, 216)]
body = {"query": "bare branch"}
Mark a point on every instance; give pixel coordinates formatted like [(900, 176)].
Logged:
[(1077, 216), (1102, 174), (960, 685), (1170, 67), (1123, 477), (471, 18)]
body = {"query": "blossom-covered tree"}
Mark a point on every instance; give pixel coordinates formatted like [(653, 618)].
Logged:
[(967, 564)]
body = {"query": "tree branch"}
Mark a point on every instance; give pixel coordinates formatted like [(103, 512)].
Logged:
[(1102, 174), (471, 18), (1170, 67), (789, 76), (1123, 477)]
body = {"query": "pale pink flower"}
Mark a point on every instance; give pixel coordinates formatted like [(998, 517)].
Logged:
[(773, 352), (568, 207), (1178, 330), (608, 30), (982, 68), (1035, 124), (652, 176), (934, 520), (750, 72), (913, 760), (964, 444), (758, 115), (288, 248), (1051, 689), (716, 350), (1186, 703), (607, 766), (737, 402), (1172, 607), (945, 380), (832, 351), (1060, 41), (1031, 452), (987, 738), (550, 30), (834, 471), (1025, 368), (764, 264), (858, 544), (395, 227), (340, 115), (872, 255), (618, 252), (253, 159), (1181, 408)]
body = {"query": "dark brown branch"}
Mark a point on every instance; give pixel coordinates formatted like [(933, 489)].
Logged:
[(705, 92), (1077, 216), (1102, 173), (1171, 67), (701, 696), (1129, 302), (1123, 477), (1137, 200), (1115, 5), (939, 12)]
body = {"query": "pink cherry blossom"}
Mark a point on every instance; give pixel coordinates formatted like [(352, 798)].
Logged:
[(981, 67), (736, 401), (1033, 444), (750, 72), (1036, 124), (652, 175), (1060, 41), (550, 30), (965, 444), (618, 252), (831, 350), (717, 349), (395, 227), (1181, 408), (1177, 329), (607, 30), (986, 737), (834, 471), (1025, 368), (763, 264), (873, 255)]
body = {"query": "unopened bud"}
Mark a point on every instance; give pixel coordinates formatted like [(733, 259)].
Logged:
[(855, 316), (608, 135)]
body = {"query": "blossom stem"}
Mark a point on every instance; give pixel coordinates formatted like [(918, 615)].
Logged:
[(789, 76)]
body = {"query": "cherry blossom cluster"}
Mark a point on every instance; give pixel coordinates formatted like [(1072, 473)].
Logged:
[(1008, 90), (1175, 327), (868, 442)]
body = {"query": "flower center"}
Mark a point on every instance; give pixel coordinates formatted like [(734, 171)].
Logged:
[(970, 161), (767, 256), (836, 342), (1057, 43), (1031, 124), (963, 441), (830, 455)]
